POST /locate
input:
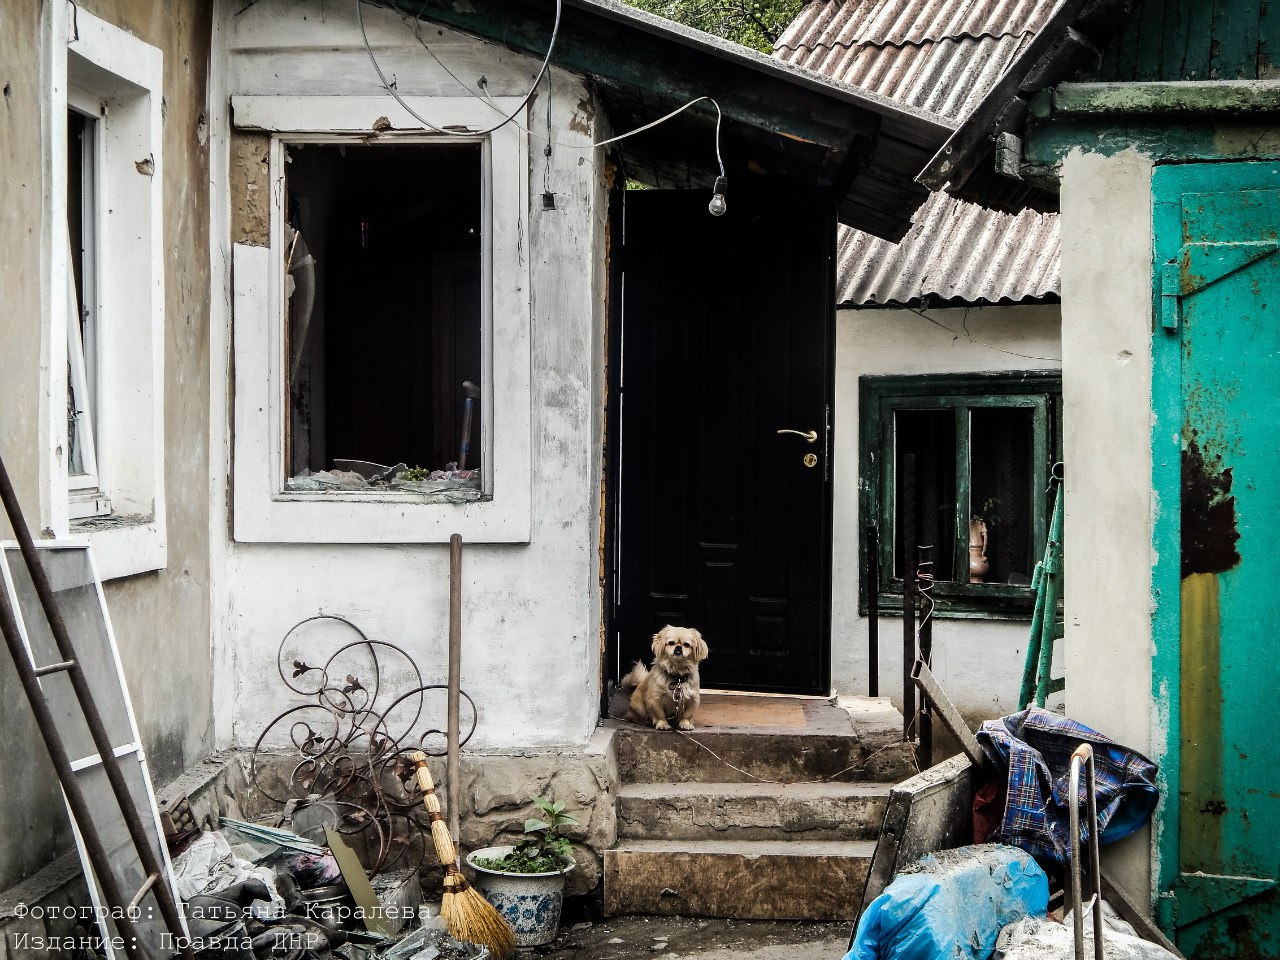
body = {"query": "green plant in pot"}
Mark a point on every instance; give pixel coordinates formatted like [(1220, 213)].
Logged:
[(525, 881)]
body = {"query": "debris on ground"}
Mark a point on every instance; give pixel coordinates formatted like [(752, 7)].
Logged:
[(952, 904), (279, 895), (693, 938), (1044, 939)]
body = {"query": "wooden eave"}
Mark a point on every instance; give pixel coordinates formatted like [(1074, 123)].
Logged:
[(1070, 41), (779, 119)]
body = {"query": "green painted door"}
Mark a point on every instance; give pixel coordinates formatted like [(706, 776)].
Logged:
[(1216, 441)]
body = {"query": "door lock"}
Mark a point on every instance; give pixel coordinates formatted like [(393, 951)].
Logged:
[(810, 436), (810, 459)]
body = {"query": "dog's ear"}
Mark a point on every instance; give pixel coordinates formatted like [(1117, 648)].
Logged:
[(659, 641), (700, 651)]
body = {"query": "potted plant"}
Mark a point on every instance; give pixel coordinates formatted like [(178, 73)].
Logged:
[(526, 881)]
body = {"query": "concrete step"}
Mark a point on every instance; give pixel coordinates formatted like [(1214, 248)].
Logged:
[(751, 811), (748, 880), (711, 756)]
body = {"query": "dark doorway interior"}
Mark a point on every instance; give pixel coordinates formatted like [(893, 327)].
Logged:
[(391, 327)]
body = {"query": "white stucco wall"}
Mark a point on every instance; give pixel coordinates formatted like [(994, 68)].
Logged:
[(1106, 319), (531, 613), (978, 662)]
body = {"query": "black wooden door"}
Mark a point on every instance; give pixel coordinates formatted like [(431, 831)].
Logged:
[(723, 522)]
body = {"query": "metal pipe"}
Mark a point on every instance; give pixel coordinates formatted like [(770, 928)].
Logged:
[(453, 768), (169, 909), (1073, 824), (924, 589), (873, 610), (906, 539), (1083, 756), (94, 849), (1095, 855), (55, 668)]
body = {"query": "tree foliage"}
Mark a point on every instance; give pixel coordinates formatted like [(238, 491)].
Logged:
[(753, 23)]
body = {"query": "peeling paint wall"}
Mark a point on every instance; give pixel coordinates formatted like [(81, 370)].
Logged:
[(250, 188), (33, 821), (978, 662), (531, 613), (1106, 323), (161, 620)]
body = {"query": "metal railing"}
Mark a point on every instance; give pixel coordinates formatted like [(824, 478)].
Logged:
[(917, 611), (1083, 757)]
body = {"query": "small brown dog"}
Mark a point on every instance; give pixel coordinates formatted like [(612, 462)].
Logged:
[(669, 689)]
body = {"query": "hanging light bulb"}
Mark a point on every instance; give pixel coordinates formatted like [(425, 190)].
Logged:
[(717, 206)]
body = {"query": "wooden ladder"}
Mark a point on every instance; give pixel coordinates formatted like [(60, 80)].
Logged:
[(1046, 622)]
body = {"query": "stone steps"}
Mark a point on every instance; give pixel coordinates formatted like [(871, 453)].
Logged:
[(651, 756), (768, 810), (748, 880), (751, 811)]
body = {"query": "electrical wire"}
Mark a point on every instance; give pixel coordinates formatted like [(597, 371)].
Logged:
[(981, 343), (486, 98), (386, 85), (673, 113)]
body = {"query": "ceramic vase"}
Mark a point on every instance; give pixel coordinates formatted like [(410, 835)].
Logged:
[(978, 563), (530, 902)]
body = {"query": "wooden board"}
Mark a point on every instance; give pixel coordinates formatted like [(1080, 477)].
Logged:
[(931, 811)]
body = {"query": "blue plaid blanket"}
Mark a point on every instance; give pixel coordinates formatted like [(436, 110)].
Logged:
[(1034, 747)]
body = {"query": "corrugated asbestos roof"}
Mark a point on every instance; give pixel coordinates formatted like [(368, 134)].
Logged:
[(849, 23), (955, 252), (941, 56)]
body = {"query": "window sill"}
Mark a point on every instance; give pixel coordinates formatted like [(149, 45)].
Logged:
[(1012, 603), (455, 497), (941, 612), (123, 546)]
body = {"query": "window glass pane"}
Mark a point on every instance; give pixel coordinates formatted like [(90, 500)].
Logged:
[(82, 358), (931, 436), (76, 595), (1000, 494), (383, 260)]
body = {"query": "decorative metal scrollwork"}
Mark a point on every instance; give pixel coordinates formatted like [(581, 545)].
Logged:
[(366, 709)]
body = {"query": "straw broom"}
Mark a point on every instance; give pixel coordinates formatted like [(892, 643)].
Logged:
[(467, 914)]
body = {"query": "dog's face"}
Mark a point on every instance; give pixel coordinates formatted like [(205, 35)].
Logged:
[(679, 644)]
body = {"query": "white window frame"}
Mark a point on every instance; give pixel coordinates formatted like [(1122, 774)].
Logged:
[(263, 511), (106, 72)]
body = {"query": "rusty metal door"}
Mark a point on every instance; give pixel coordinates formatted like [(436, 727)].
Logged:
[(1217, 455)]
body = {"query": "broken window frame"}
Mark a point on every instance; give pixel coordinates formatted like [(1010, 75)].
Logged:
[(263, 510), (880, 398), (107, 73), (86, 487), (481, 450)]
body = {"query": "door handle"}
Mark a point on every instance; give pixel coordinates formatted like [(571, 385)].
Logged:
[(810, 436)]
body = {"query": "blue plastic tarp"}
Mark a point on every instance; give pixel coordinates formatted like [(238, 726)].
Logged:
[(952, 904)]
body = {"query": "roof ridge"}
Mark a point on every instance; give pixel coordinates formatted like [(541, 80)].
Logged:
[(903, 44)]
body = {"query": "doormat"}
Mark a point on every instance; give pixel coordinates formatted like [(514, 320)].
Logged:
[(734, 711)]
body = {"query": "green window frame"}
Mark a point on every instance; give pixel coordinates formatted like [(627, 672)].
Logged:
[(881, 399)]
